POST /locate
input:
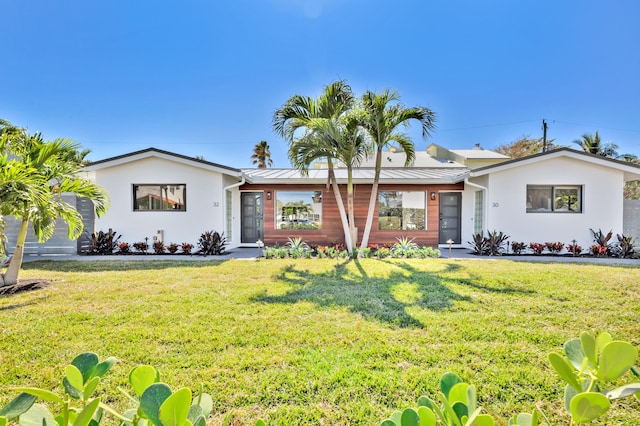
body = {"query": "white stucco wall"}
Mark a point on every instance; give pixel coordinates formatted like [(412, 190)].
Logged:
[(467, 219), (204, 201), (602, 201), (233, 234)]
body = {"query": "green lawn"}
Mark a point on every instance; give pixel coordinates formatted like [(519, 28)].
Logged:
[(320, 341)]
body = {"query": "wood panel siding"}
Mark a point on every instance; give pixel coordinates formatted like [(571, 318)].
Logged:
[(331, 230)]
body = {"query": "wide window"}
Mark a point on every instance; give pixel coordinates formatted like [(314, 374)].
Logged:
[(160, 197), (554, 198), (298, 209), (402, 210)]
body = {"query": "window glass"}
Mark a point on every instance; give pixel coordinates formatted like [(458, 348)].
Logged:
[(539, 198), (402, 210), (298, 209), (164, 197), (567, 199), (550, 198)]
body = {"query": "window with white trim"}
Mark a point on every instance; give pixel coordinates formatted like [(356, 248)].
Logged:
[(298, 210), (402, 210)]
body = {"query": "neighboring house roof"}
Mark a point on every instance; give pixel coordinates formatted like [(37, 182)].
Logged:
[(472, 158), (410, 175), (479, 154), (172, 156), (631, 170), (397, 159)]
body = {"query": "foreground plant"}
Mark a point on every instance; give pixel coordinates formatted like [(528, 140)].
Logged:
[(76, 407), (589, 366), (154, 402), (458, 406)]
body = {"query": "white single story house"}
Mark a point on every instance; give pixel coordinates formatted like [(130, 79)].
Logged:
[(157, 194), (445, 195)]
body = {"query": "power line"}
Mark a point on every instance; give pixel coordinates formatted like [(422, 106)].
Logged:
[(487, 125), (594, 126), (164, 143)]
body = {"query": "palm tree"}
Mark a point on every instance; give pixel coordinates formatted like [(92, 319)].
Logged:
[(590, 143), (382, 116), (293, 120), (342, 140), (261, 155), (33, 176), (610, 149)]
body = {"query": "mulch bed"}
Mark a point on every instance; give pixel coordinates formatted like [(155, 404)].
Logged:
[(24, 285)]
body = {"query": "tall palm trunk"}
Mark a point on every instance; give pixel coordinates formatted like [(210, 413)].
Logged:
[(11, 276), (348, 240), (373, 199), (353, 233)]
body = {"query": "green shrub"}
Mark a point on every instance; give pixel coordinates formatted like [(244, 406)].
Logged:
[(403, 245), (425, 252), (383, 252), (296, 247)]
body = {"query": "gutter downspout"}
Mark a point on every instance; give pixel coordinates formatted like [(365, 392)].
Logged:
[(484, 201), (224, 200)]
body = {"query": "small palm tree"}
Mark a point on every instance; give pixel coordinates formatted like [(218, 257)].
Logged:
[(261, 155), (33, 176)]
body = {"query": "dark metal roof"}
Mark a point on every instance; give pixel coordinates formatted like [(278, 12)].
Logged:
[(160, 151), (556, 151)]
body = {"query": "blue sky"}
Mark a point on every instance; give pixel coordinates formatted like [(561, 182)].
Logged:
[(204, 77)]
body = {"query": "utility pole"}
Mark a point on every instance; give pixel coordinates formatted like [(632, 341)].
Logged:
[(544, 136)]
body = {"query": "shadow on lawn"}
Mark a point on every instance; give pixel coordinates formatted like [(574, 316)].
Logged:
[(376, 298)]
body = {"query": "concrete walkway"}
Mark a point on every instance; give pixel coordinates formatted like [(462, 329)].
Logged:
[(250, 253)]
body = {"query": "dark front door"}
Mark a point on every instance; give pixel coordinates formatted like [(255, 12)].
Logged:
[(450, 208), (251, 219)]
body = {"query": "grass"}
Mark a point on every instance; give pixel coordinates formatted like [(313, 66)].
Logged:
[(320, 341)]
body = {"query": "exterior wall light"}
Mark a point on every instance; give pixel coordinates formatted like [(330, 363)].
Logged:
[(268, 195), (433, 196)]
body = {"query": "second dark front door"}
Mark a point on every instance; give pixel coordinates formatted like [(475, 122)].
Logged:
[(450, 224)]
